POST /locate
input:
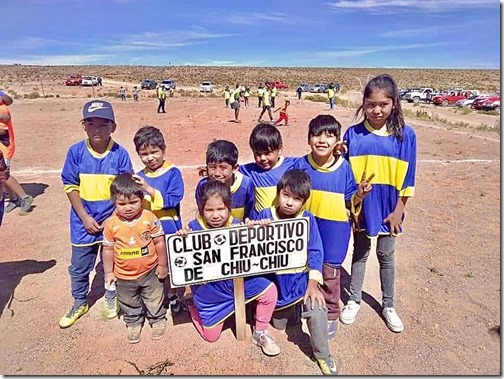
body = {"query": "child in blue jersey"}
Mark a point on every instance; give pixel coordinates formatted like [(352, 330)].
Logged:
[(299, 293), (214, 301), (384, 145), (89, 168), (333, 193), (269, 166), (163, 184), (222, 165)]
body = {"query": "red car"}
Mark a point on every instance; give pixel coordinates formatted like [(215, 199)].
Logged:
[(280, 85), (491, 104), (478, 103), (450, 98), (74, 80)]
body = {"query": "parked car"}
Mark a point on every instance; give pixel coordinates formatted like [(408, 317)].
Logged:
[(404, 91), (467, 102), (451, 98), (148, 84), (319, 88), (491, 104), (89, 80), (305, 87), (74, 80), (416, 96), (168, 83), (478, 102), (206, 86), (280, 85)]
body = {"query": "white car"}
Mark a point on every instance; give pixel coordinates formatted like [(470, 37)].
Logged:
[(89, 80), (206, 86)]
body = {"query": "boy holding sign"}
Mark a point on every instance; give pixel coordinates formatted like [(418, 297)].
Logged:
[(214, 301), (333, 193), (299, 292)]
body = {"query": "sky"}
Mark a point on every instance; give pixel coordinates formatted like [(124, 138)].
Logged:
[(273, 33)]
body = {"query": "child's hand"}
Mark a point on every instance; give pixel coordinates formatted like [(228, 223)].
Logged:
[(340, 148), (395, 222), (91, 225), (141, 182), (202, 171), (364, 186), (110, 278), (313, 293), (161, 272), (184, 231), (251, 223)]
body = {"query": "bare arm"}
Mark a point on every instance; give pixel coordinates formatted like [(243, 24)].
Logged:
[(162, 268)]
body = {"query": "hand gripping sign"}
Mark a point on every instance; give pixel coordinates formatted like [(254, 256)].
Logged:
[(237, 251)]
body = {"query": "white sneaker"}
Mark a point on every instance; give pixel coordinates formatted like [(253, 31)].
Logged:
[(394, 323), (349, 312)]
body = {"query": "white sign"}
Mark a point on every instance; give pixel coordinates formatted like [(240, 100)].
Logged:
[(237, 251)]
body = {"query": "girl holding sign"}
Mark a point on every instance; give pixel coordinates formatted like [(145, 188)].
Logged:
[(384, 145), (214, 301)]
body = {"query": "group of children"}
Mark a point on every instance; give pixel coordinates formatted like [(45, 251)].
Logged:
[(331, 186)]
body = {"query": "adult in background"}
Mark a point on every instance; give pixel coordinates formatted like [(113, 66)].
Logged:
[(161, 95), (299, 90)]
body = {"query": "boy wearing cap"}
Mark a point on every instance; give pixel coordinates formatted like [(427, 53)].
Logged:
[(89, 169)]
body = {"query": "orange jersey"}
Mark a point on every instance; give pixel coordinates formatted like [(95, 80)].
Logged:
[(7, 148), (134, 249)]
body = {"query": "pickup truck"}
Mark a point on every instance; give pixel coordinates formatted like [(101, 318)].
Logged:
[(417, 95), (450, 98), (280, 85), (74, 80)]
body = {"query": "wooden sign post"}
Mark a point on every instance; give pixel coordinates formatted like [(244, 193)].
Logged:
[(239, 299)]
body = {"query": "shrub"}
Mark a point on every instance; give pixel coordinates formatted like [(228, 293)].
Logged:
[(317, 98), (33, 95)]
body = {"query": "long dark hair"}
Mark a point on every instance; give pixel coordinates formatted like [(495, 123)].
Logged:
[(395, 122)]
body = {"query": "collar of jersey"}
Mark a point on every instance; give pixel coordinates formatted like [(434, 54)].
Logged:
[(382, 132), (160, 171), (204, 225), (334, 166), (95, 153), (238, 179), (275, 216)]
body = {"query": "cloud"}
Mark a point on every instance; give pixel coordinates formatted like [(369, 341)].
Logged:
[(58, 60), (421, 5), (255, 18), (32, 43), (377, 49), (422, 31), (163, 40), (224, 63)]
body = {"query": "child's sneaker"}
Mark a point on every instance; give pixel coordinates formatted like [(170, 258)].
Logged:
[(13, 204), (73, 315), (158, 330), (175, 304), (332, 329), (134, 333), (26, 204), (394, 323), (111, 307), (327, 366), (349, 312), (265, 342)]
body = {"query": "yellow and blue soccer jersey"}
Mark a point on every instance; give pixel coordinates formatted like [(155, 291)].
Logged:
[(91, 174), (394, 164), (242, 195), (292, 283), (331, 188), (215, 300), (265, 181), (169, 191)]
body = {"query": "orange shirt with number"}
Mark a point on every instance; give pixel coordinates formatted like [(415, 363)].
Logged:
[(133, 241)]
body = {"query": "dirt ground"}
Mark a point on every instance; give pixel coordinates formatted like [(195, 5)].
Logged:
[(448, 260)]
